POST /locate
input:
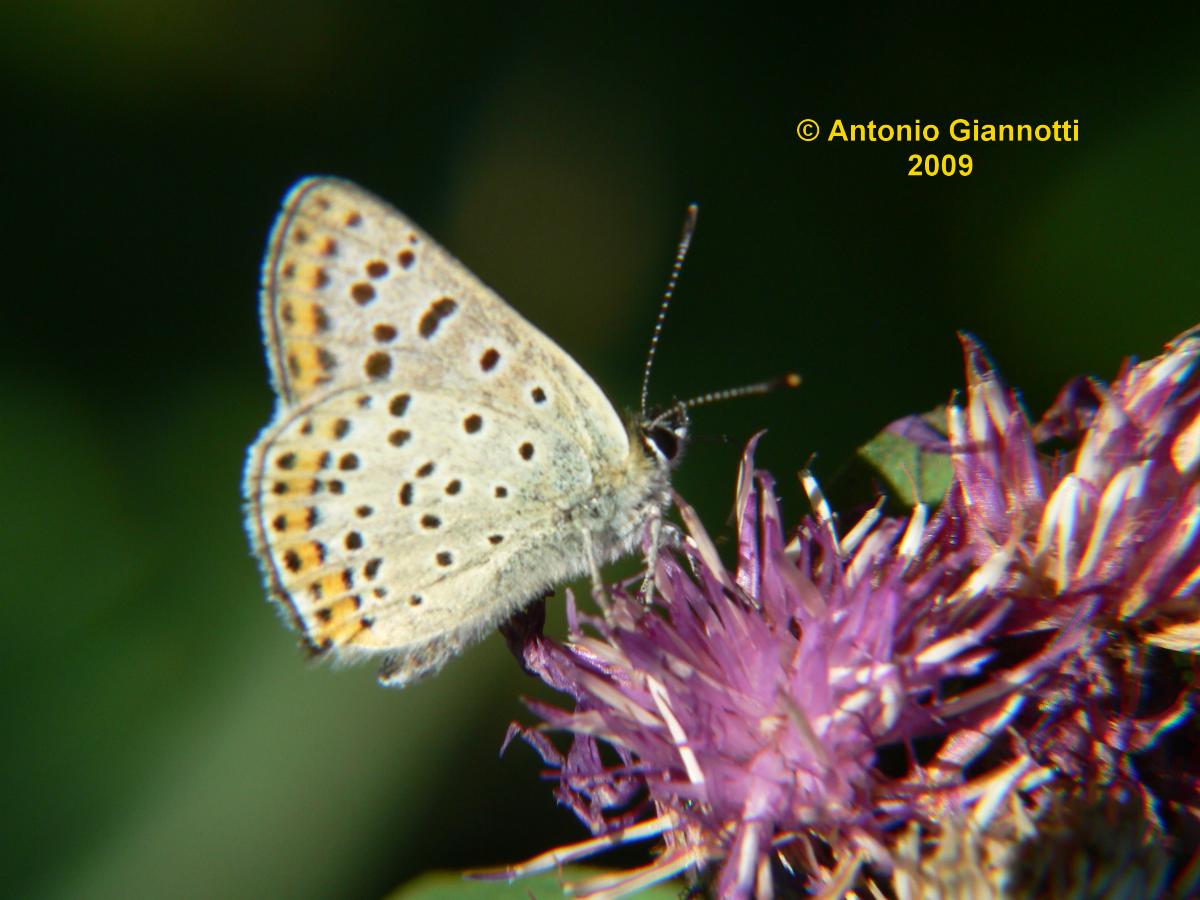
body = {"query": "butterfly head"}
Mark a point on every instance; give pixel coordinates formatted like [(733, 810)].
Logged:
[(664, 433)]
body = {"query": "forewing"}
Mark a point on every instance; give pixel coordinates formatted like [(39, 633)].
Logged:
[(353, 293)]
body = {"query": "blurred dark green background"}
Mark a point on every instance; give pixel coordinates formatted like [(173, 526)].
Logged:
[(163, 736)]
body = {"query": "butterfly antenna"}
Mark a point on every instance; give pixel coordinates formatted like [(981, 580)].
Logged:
[(685, 240), (790, 380)]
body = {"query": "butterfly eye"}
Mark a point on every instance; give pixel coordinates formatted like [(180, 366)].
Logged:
[(665, 440), (664, 434)]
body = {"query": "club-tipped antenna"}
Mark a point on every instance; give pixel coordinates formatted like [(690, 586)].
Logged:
[(685, 240), (790, 380)]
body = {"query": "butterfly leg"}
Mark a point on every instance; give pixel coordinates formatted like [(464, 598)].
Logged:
[(599, 594), (646, 591)]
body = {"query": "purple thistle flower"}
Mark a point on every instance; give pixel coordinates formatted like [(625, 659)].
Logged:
[(748, 710), (764, 722), (1109, 531)]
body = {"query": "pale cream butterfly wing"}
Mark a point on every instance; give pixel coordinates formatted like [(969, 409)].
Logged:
[(435, 462)]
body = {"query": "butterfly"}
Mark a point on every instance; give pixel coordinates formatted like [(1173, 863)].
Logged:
[(434, 462)]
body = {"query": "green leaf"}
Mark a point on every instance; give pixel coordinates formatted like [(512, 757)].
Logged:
[(452, 885), (911, 472)]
